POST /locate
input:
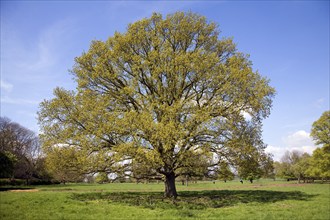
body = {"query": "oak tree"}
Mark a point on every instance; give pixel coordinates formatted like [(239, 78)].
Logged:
[(163, 91)]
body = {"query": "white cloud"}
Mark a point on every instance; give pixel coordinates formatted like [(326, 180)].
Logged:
[(299, 141), (277, 152), (5, 86)]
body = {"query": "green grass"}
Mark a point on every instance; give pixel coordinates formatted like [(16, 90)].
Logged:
[(205, 200)]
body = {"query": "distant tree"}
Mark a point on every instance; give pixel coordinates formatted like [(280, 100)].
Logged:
[(321, 130), (278, 169), (293, 165), (102, 177), (320, 161), (247, 151), (224, 172), (288, 160), (249, 170), (163, 90), (320, 164), (300, 168), (142, 171), (197, 166), (267, 166), (7, 162), (19, 149), (41, 171)]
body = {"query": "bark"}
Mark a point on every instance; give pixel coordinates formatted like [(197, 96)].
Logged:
[(170, 190)]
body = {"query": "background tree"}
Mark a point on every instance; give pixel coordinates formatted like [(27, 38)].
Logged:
[(319, 164), (320, 161), (278, 169), (41, 171), (19, 150), (288, 160), (102, 177), (267, 166), (300, 168), (7, 163), (293, 165), (142, 171), (196, 167), (246, 151), (224, 172), (164, 89), (321, 130)]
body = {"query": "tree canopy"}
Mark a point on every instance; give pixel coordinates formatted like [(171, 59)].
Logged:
[(321, 130), (167, 90), (293, 165), (320, 161)]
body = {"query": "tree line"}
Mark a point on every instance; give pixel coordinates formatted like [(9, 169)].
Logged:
[(305, 167)]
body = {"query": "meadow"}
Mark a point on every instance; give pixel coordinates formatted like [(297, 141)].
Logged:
[(263, 199)]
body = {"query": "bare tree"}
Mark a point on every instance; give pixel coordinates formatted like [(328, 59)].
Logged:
[(20, 147)]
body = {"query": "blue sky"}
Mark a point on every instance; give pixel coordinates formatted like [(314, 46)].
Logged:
[(288, 42)]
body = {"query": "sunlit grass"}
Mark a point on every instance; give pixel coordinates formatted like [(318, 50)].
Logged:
[(204, 200)]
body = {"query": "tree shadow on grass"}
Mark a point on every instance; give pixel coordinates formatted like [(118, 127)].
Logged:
[(194, 199), (2, 189)]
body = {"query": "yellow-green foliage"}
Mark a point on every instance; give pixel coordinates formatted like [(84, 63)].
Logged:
[(320, 161), (321, 130), (165, 91)]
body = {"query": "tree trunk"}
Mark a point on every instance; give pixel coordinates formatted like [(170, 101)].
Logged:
[(170, 190)]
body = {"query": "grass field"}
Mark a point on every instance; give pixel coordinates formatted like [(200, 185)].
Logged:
[(205, 200)]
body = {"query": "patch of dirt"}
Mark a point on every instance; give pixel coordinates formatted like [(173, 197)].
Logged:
[(287, 184), (24, 190)]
